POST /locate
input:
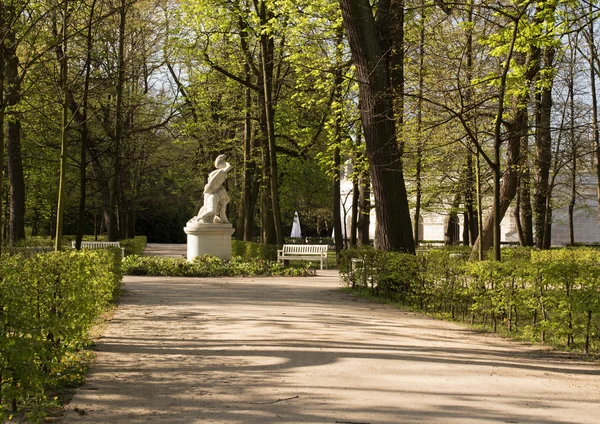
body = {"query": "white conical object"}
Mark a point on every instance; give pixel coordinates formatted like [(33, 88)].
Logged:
[(296, 230)]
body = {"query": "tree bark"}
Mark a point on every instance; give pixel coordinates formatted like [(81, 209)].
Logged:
[(595, 124), (267, 49), (13, 138), (85, 134), (394, 230), (64, 72), (337, 215), (354, 214), (2, 107), (525, 211), (115, 189), (508, 183), (364, 212), (451, 235), (543, 159)]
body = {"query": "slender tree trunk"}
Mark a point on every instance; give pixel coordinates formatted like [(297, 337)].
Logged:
[(479, 246), (85, 130), (364, 205), (113, 225), (505, 188), (525, 211), (543, 142), (64, 73), (267, 49), (394, 230), (13, 137), (470, 224), (354, 214), (418, 187), (471, 216), (2, 106), (249, 167), (450, 231), (595, 124), (571, 83), (337, 216)]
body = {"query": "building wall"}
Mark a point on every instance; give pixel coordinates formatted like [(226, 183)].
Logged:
[(587, 223)]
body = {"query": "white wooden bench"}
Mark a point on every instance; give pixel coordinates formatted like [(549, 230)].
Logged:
[(303, 252), (99, 245)]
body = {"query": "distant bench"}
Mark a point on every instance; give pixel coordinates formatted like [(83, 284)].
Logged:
[(100, 245), (303, 252)]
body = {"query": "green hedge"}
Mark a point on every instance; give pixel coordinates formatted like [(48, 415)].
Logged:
[(249, 250), (48, 302), (549, 296), (134, 246), (207, 266)]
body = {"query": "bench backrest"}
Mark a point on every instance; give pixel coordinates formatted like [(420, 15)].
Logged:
[(98, 244), (304, 248)]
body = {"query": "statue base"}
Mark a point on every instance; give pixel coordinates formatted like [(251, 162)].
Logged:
[(208, 239)]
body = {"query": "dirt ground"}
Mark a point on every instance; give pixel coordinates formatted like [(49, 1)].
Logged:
[(298, 350)]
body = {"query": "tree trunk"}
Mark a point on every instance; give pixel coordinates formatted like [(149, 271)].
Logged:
[(524, 206), (245, 225), (84, 130), (543, 159), (595, 124), (394, 230), (571, 95), (470, 224), (64, 71), (354, 215), (115, 189), (13, 140), (509, 180), (267, 50), (364, 205), (505, 187), (2, 106), (337, 215), (451, 225)]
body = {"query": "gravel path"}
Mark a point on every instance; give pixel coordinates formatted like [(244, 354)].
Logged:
[(298, 350)]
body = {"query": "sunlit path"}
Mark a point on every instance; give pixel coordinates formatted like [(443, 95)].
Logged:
[(297, 350)]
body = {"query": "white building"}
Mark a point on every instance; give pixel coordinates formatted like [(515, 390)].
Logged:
[(431, 227)]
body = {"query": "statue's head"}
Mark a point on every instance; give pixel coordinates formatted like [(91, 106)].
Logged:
[(220, 161)]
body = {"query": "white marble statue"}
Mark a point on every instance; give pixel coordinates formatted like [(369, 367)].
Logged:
[(215, 197)]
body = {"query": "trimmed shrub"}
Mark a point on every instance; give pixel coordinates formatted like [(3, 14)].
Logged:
[(134, 246), (550, 296), (249, 250), (48, 302), (207, 266)]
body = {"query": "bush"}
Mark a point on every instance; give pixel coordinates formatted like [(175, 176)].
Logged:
[(207, 266), (249, 250), (134, 246), (551, 296), (48, 302)]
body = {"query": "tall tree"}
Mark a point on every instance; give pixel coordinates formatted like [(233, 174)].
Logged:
[(373, 57)]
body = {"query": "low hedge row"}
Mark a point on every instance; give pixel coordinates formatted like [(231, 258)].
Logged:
[(134, 246), (48, 302), (207, 266), (250, 251), (549, 296)]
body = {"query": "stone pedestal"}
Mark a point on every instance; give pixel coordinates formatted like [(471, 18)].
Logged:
[(208, 239)]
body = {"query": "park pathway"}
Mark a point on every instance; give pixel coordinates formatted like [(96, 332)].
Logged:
[(298, 350)]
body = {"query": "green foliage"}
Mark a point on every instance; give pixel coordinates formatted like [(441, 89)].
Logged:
[(208, 266), (549, 296), (134, 246), (48, 302), (249, 251)]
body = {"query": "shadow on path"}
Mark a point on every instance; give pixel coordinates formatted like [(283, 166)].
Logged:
[(285, 350)]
